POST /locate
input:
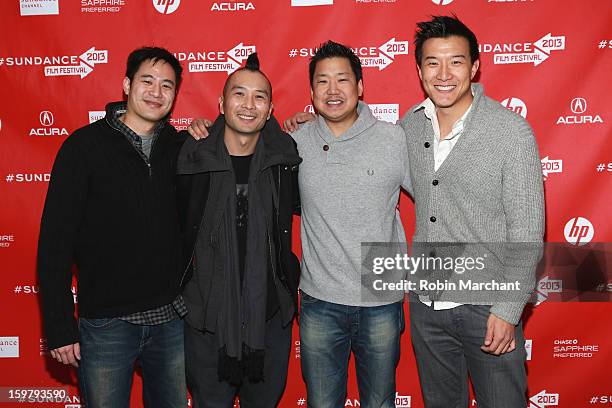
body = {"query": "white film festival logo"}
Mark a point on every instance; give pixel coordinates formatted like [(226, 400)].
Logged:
[(371, 56), (545, 287), (96, 115), (87, 61), (228, 61), (544, 399), (166, 6), (402, 401), (442, 2), (551, 166), (387, 112), (524, 52), (309, 109), (516, 105), (9, 347), (386, 54), (579, 231)]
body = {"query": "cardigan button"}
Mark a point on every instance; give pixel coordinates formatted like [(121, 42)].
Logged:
[(325, 148), (432, 219), (427, 144), (285, 231), (435, 182)]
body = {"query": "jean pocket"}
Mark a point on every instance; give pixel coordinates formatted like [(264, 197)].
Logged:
[(97, 323)]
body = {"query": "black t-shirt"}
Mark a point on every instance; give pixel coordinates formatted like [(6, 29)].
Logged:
[(242, 165)]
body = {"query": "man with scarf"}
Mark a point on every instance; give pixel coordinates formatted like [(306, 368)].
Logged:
[(237, 190)]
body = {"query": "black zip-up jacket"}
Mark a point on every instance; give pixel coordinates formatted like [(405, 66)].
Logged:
[(201, 294), (115, 218)]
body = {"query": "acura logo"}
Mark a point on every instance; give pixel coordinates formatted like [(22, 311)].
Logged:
[(46, 118), (578, 105)]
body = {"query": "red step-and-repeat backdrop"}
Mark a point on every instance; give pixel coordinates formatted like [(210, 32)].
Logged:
[(61, 61)]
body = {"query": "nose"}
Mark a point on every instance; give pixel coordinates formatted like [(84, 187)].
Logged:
[(156, 89), (249, 102), (332, 88), (444, 72)]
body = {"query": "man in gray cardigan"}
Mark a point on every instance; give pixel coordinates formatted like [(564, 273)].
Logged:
[(477, 178)]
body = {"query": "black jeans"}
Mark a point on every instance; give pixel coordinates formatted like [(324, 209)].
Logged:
[(201, 354)]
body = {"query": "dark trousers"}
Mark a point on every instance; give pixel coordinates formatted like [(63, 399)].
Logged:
[(201, 359), (447, 347), (109, 349)]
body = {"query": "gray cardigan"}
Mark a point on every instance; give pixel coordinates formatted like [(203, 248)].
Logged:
[(488, 190)]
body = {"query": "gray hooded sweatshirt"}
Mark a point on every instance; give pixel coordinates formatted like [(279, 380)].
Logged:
[(349, 195)]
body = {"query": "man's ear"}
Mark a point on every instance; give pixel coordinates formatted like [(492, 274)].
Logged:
[(475, 67), (270, 111), (221, 105), (126, 86)]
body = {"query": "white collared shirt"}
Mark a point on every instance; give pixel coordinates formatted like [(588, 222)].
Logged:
[(442, 149)]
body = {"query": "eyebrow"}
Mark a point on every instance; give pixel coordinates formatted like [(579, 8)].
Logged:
[(149, 76), (452, 56), (265, 91), (333, 73)]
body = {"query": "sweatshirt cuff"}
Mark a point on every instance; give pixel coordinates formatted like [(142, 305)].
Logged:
[(508, 311)]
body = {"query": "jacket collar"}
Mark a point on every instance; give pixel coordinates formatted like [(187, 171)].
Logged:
[(365, 120), (210, 154)]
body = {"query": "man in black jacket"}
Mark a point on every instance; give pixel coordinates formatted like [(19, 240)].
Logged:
[(237, 192), (111, 210)]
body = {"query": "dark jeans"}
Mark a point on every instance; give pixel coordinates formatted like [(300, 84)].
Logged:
[(328, 333), (201, 352), (447, 347), (109, 349)]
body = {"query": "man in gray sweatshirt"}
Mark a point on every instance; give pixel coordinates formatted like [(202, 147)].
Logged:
[(477, 184), (350, 178)]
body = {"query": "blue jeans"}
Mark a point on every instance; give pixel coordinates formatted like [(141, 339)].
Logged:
[(447, 347), (329, 332), (109, 349)]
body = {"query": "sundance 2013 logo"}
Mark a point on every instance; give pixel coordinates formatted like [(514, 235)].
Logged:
[(371, 57), (216, 61), (544, 399), (61, 65), (524, 53)]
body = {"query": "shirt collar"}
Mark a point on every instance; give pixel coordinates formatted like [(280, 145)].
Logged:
[(116, 110)]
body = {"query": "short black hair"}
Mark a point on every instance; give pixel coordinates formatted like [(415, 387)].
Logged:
[(137, 57), (331, 49), (252, 64), (444, 27)]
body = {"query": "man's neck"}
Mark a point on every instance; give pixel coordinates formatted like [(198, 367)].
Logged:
[(139, 126), (240, 144), (448, 116), (338, 128)]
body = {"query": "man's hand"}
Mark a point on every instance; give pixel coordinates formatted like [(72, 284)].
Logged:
[(198, 129), (293, 123), (70, 354), (500, 336)]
